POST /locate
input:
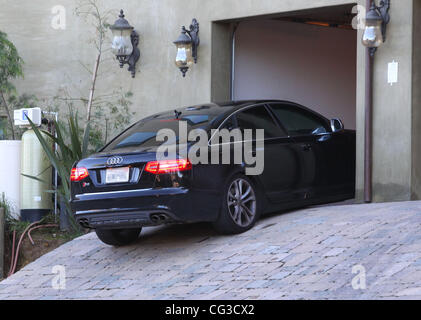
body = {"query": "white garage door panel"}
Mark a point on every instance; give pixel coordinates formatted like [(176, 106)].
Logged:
[(311, 65)]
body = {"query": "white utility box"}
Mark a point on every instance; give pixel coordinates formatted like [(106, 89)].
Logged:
[(21, 117)]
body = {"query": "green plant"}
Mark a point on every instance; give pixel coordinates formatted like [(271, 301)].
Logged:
[(17, 225), (10, 68), (12, 224), (7, 206), (68, 151)]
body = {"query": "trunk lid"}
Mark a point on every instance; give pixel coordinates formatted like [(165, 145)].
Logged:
[(99, 163)]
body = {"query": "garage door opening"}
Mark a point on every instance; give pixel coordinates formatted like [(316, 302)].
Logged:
[(307, 57)]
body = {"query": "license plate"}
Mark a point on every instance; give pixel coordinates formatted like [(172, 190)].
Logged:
[(117, 175)]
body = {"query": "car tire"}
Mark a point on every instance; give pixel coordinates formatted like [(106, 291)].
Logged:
[(118, 237), (241, 206)]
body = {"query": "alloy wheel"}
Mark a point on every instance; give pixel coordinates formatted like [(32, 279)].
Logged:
[(241, 202)]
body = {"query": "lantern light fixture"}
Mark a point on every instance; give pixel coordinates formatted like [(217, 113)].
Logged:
[(125, 42), (376, 21), (187, 44)]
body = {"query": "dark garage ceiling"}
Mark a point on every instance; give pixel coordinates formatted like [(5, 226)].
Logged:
[(336, 16), (341, 15), (332, 16)]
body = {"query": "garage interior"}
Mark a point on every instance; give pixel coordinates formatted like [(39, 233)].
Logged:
[(308, 57)]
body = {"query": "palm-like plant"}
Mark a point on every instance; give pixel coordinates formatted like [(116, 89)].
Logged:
[(68, 152)]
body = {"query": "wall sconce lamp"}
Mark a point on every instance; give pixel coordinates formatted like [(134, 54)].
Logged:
[(125, 42), (376, 21), (187, 44)]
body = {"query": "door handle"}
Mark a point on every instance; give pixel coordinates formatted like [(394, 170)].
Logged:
[(306, 147)]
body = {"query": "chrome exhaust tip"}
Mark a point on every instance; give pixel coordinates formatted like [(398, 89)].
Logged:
[(159, 218)]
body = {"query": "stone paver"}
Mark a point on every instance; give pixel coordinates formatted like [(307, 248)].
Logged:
[(304, 254)]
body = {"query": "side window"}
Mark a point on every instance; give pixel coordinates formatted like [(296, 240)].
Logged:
[(229, 124), (259, 118), (298, 121)]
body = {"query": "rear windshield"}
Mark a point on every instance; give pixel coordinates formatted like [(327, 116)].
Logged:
[(144, 133)]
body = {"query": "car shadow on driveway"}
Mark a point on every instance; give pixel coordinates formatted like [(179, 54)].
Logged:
[(177, 234), (184, 234)]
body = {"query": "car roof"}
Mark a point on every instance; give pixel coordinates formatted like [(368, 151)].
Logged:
[(216, 108), (220, 110), (237, 104)]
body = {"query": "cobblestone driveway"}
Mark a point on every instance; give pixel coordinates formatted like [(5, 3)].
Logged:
[(305, 254)]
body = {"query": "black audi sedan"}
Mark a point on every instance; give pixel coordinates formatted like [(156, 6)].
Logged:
[(308, 160)]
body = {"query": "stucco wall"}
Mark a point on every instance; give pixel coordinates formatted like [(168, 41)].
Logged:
[(53, 62), (311, 65), (53, 57), (392, 127)]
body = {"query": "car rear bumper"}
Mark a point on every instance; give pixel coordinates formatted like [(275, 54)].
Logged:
[(145, 207), (123, 218)]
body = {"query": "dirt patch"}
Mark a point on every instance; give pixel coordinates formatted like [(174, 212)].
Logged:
[(45, 240)]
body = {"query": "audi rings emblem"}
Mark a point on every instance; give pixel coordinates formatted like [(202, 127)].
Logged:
[(113, 161)]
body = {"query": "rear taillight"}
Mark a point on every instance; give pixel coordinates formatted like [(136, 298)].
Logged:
[(168, 166), (78, 174)]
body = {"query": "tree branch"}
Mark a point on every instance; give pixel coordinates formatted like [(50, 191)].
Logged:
[(91, 93)]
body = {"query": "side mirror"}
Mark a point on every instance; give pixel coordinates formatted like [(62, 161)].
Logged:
[(336, 125)]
